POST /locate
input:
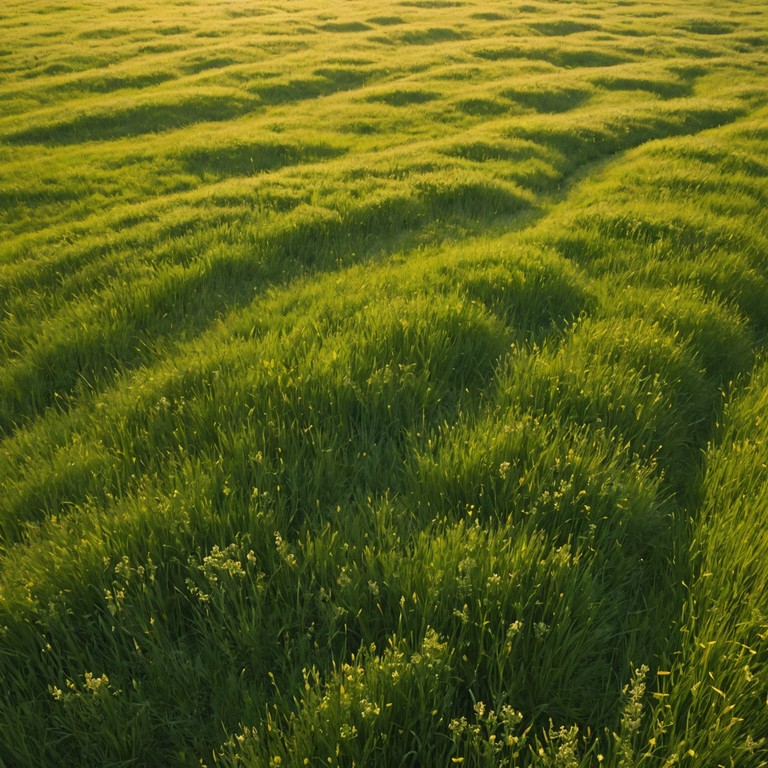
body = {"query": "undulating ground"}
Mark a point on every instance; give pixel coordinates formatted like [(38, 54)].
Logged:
[(384, 383)]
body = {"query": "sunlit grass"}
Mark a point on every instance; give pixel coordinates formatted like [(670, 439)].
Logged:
[(383, 384)]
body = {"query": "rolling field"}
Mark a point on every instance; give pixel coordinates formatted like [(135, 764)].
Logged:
[(384, 383)]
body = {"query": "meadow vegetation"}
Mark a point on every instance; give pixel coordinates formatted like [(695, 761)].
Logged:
[(384, 383)]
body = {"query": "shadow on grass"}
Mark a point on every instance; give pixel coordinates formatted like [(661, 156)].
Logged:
[(560, 57), (547, 99), (126, 331), (134, 120), (246, 159), (402, 97), (562, 27), (482, 107)]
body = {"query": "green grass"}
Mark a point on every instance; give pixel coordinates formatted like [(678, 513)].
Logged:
[(383, 385)]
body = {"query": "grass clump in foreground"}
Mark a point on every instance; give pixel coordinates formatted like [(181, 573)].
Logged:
[(383, 385)]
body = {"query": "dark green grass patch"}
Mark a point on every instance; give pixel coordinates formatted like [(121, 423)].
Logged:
[(489, 16), (560, 57), (402, 98), (482, 107), (665, 88), (429, 36), (386, 21), (708, 26), (104, 84), (204, 63), (326, 81), (247, 159), (563, 27), (432, 4), (133, 120), (350, 26), (544, 98)]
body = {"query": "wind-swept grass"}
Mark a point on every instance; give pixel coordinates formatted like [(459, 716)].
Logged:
[(383, 384)]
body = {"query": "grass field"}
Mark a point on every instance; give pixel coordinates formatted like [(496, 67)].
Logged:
[(384, 383)]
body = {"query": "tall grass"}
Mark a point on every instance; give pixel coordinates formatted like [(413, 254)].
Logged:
[(383, 384)]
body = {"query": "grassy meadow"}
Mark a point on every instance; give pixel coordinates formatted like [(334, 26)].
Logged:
[(384, 383)]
